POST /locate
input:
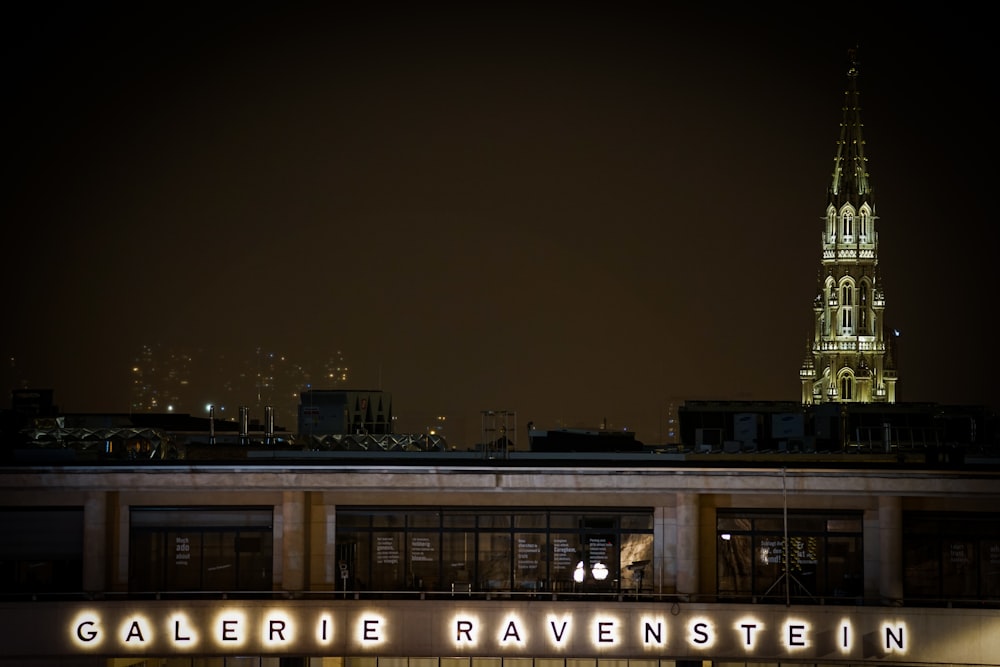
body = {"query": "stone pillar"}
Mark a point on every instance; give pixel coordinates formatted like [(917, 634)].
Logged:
[(890, 542), (292, 575), (119, 521), (687, 544), (664, 551), (96, 542), (324, 574)]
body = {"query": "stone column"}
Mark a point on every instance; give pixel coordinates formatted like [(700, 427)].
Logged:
[(324, 574), (118, 518), (687, 544), (292, 576), (890, 542), (96, 542), (664, 553)]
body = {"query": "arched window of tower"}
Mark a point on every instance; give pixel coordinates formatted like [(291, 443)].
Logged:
[(846, 386), (847, 224)]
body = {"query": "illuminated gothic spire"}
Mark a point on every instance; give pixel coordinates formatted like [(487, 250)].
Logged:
[(850, 358), (850, 166)]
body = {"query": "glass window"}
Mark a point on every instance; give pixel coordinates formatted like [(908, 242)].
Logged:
[(41, 550), (458, 552), (843, 576), (423, 556), (921, 570), (637, 521), (848, 223), (771, 523), (469, 550), (491, 520), (734, 563), (146, 574), (353, 519), (847, 387), (754, 560), (565, 551), (636, 558), (459, 520), (530, 567), (494, 561), (733, 522), (990, 567), (354, 558), (769, 565), (200, 549), (603, 571), (951, 558), (806, 523), (843, 525), (960, 570), (597, 522), (219, 567), (183, 565), (253, 560), (386, 571), (560, 520), (423, 520), (387, 519), (530, 520)]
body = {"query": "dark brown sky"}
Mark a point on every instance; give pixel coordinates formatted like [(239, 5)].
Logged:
[(573, 211)]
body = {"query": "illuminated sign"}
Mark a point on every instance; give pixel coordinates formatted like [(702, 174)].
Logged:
[(277, 629), (505, 628)]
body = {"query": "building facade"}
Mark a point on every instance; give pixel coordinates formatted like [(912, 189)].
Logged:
[(455, 559)]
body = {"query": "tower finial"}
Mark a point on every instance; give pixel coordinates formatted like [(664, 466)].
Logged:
[(852, 58)]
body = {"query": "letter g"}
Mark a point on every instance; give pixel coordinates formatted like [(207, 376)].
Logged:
[(87, 635)]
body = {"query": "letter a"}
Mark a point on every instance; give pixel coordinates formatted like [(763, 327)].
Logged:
[(135, 632)]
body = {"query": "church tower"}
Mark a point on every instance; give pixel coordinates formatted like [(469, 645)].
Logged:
[(850, 357)]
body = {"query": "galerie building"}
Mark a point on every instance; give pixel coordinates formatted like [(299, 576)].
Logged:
[(652, 558)]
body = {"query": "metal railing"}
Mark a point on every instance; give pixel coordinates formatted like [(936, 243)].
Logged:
[(502, 596)]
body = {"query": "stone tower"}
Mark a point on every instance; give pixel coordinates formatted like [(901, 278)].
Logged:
[(850, 356)]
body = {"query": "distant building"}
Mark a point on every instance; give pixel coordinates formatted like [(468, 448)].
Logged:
[(345, 411), (583, 440), (935, 431), (165, 379)]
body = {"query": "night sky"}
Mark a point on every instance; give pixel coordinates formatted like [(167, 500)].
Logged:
[(576, 212)]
